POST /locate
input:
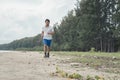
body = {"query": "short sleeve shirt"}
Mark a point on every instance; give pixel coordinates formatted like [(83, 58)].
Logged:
[(47, 30)]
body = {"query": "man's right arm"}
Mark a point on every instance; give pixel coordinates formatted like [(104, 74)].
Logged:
[(42, 34)]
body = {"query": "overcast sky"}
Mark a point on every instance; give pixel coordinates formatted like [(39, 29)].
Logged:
[(24, 18)]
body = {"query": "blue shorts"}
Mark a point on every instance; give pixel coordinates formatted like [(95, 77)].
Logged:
[(47, 42)]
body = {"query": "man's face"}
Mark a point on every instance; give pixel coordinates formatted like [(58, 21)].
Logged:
[(47, 23)]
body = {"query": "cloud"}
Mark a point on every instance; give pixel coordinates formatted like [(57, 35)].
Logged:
[(24, 18)]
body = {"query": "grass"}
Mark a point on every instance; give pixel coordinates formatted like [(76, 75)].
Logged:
[(108, 62), (100, 54)]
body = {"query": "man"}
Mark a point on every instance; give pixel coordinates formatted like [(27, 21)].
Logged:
[(47, 32)]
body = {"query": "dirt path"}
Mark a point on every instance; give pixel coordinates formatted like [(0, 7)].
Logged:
[(32, 66)]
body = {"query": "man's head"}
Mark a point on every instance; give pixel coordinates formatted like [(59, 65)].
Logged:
[(47, 22)]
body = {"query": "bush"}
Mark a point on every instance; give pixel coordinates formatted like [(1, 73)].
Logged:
[(76, 76), (92, 49)]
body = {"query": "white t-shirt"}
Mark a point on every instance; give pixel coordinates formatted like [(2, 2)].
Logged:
[(47, 30)]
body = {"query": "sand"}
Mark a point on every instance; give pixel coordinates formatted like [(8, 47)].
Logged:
[(22, 65), (26, 66)]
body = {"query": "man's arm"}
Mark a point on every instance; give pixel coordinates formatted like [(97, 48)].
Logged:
[(42, 34)]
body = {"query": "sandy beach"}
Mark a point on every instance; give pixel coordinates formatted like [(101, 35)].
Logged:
[(25, 66)]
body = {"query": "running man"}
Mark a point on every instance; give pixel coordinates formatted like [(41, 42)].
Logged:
[(47, 32)]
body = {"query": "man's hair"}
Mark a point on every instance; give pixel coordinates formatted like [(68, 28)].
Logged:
[(47, 20)]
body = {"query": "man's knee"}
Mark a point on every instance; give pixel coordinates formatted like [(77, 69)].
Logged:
[(45, 45)]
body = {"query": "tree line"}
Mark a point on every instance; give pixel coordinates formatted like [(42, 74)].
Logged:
[(91, 24)]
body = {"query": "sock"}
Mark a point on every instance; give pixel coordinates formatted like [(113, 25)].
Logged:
[(45, 53)]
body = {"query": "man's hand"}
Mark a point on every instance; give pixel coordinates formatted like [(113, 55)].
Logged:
[(51, 33), (42, 34)]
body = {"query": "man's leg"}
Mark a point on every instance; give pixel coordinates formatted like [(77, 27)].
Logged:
[(45, 50), (48, 48), (48, 51)]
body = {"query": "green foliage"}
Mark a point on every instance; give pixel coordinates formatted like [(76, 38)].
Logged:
[(31, 43), (61, 72), (94, 24), (89, 78), (92, 49), (76, 76), (66, 75), (99, 78)]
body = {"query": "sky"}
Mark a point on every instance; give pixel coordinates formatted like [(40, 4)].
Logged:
[(25, 18)]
